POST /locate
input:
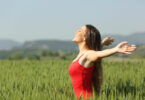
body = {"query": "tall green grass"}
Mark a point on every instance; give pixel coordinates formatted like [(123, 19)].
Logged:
[(49, 80)]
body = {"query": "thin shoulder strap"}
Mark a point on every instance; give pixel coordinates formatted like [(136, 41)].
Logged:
[(81, 55)]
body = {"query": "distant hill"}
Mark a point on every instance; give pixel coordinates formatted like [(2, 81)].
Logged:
[(50, 44), (6, 44), (136, 38), (33, 49)]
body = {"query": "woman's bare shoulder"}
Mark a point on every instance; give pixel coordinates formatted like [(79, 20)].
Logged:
[(91, 55)]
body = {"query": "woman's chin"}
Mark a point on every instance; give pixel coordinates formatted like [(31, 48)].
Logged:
[(73, 40)]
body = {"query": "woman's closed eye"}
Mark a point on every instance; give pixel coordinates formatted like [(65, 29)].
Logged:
[(80, 30)]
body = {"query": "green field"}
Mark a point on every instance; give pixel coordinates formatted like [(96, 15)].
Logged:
[(49, 80)]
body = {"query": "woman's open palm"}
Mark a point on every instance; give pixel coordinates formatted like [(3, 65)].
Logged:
[(126, 49)]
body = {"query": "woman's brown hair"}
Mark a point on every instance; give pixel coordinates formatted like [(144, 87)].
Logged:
[(93, 41)]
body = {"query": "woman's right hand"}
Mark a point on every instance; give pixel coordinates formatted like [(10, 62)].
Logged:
[(93, 56), (124, 48)]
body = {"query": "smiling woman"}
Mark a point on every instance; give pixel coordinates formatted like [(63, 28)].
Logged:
[(86, 70)]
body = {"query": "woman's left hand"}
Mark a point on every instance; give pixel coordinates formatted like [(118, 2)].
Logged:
[(107, 41)]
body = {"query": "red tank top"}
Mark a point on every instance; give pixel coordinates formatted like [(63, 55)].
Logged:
[(81, 78)]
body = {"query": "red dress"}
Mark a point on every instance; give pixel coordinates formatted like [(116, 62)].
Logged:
[(81, 78)]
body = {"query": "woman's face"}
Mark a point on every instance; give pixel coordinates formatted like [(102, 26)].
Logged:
[(80, 35)]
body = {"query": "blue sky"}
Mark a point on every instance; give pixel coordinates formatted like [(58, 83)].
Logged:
[(58, 19)]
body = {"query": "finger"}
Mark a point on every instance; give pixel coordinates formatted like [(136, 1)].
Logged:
[(133, 45), (123, 43), (131, 49), (129, 53), (107, 38), (109, 43), (112, 39)]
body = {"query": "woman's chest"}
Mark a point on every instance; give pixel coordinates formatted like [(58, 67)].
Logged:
[(74, 69)]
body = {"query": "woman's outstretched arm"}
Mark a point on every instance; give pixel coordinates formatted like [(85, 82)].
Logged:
[(120, 48)]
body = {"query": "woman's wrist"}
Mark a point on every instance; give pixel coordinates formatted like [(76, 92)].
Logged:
[(115, 49)]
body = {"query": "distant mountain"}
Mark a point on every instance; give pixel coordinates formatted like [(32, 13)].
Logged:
[(6, 44), (136, 38), (49, 44)]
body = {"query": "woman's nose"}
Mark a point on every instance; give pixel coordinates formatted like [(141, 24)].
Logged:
[(75, 32)]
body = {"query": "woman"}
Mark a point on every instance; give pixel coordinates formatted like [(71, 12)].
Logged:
[(86, 70)]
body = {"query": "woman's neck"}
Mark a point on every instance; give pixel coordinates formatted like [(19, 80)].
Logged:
[(82, 48)]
